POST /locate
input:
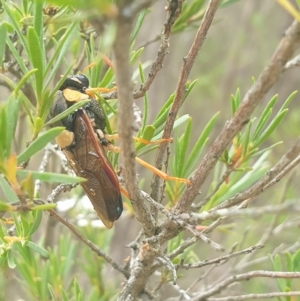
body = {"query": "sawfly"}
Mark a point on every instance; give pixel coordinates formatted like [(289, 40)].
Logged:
[(83, 144)]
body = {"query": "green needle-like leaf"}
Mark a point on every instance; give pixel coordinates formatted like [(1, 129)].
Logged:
[(246, 138), (264, 117), (50, 177), (16, 26), (67, 112), (272, 126), (183, 145), (39, 143), (135, 55), (12, 113), (288, 100), (8, 191), (36, 248), (138, 24), (37, 60), (199, 145), (3, 31)]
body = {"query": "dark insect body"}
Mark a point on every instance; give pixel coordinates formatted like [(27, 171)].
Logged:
[(83, 145)]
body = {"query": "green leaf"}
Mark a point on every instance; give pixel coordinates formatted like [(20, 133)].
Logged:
[(16, 26), (64, 296), (52, 292), (162, 114), (51, 177), (16, 55), (241, 183), (233, 107), (272, 126), (3, 32), (38, 22), (255, 151), (3, 258), (37, 214), (261, 124), (78, 293), (25, 220), (148, 132), (67, 112), (181, 120), (138, 24), (36, 248), (183, 145), (296, 262), (246, 138), (237, 97), (147, 135), (23, 80), (278, 268), (27, 105), (8, 191), (4, 207), (135, 55), (46, 206), (145, 114), (289, 266), (11, 259), (3, 132), (191, 12), (264, 116), (39, 143), (107, 78), (288, 100), (59, 53), (289, 263), (199, 145), (36, 57), (228, 2)]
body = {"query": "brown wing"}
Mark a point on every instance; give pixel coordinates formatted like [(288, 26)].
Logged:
[(88, 160)]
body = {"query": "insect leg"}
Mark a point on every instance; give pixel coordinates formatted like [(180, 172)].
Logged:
[(155, 170), (141, 140)]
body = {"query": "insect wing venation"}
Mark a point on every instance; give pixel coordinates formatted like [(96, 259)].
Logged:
[(89, 160)]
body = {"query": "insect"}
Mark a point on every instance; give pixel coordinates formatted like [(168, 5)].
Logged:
[(83, 145)]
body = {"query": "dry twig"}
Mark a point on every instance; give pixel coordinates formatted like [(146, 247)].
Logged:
[(241, 277)]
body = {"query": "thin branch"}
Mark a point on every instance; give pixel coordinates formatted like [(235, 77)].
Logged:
[(188, 63), (246, 276), (182, 223), (256, 296), (295, 62), (253, 212), (121, 50), (269, 232), (170, 266), (141, 270), (59, 189), (223, 178), (187, 243), (173, 10), (91, 245), (203, 276), (279, 250), (218, 259), (182, 294), (286, 169)]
